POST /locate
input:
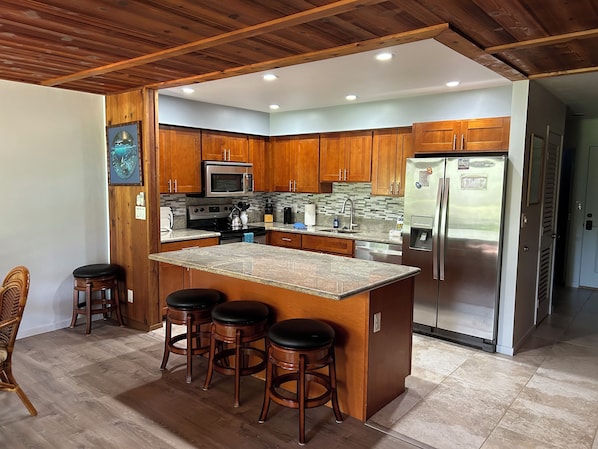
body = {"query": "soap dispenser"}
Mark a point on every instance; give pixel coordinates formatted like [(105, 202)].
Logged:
[(335, 223)]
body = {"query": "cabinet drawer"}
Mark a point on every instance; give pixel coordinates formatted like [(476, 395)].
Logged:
[(328, 245), (287, 239), (175, 246)]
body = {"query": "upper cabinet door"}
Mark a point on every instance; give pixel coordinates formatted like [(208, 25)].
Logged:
[(346, 157), (257, 156), (180, 162), (384, 161), (486, 134), (222, 146), (332, 157), (305, 164), (280, 163), (358, 156), (436, 136)]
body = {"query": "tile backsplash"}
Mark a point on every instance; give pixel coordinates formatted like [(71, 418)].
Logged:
[(371, 211)]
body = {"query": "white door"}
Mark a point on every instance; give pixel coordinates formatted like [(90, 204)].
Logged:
[(589, 251), (548, 230)]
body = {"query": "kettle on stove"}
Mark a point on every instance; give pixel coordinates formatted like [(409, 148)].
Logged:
[(235, 218)]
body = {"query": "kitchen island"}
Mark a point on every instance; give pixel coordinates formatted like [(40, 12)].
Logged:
[(369, 305)]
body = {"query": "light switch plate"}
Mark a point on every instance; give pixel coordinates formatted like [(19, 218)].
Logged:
[(377, 321), (140, 212)]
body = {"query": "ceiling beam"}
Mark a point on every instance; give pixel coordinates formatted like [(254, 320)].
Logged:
[(543, 41), (454, 40), (564, 72), (343, 50), (332, 9)]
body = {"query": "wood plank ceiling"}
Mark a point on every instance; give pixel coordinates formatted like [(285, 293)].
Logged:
[(112, 46)]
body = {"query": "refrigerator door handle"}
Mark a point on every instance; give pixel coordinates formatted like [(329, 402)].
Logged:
[(435, 230), (442, 233)]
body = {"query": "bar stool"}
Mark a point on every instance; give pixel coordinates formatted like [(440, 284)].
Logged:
[(191, 307), (236, 324), (299, 347), (96, 278)]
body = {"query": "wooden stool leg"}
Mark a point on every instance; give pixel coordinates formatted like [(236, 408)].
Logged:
[(238, 364), (88, 291), (302, 395), (166, 343), (269, 374), (75, 306), (189, 331), (334, 399), (211, 356)]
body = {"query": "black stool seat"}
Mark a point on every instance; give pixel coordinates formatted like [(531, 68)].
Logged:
[(240, 312), (301, 333), (193, 298), (96, 270)]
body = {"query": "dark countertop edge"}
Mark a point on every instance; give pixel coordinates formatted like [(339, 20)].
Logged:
[(163, 257)]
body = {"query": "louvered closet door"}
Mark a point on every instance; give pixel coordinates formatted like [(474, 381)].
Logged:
[(549, 230)]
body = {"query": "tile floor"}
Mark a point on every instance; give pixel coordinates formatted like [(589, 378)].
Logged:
[(545, 397)]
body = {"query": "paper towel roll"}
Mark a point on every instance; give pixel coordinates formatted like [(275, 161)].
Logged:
[(310, 214)]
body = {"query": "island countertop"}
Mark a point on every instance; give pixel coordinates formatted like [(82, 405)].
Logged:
[(325, 275)]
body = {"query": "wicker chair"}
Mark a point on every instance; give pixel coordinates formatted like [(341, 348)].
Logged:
[(13, 296)]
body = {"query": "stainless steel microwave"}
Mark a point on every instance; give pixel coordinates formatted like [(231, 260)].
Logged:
[(226, 179)]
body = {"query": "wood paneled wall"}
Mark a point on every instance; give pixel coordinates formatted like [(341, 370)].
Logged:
[(131, 239)]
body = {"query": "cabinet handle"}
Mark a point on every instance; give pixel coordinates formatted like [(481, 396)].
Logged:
[(294, 185), (462, 141), (176, 186), (286, 239), (169, 185), (454, 141), (345, 174), (340, 174), (391, 187)]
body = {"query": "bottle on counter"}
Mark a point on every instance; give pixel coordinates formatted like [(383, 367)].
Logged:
[(335, 223), (269, 212), (400, 223)]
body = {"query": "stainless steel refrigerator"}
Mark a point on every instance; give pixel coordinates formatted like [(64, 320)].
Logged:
[(453, 232)]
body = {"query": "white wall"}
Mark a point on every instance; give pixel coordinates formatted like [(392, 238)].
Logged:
[(196, 114), (53, 181)]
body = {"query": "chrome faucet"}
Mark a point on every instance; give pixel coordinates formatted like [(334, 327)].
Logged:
[(351, 224)]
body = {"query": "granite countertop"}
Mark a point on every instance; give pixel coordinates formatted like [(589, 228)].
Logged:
[(324, 275), (372, 236), (177, 235)]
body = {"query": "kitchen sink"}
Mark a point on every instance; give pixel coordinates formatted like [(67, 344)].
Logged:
[(340, 231)]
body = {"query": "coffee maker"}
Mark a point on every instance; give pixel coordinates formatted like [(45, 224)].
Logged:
[(288, 215)]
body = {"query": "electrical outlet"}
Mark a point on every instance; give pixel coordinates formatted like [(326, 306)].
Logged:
[(130, 295), (377, 321)]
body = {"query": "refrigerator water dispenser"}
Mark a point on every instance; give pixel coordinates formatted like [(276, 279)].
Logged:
[(420, 236)]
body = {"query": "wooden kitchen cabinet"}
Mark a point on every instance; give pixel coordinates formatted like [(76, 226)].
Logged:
[(330, 245), (223, 146), (346, 156), (173, 277), (180, 160), (257, 156), (485, 134), (390, 150), (286, 239), (310, 242), (294, 164)]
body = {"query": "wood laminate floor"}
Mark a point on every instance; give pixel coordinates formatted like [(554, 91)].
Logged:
[(106, 391)]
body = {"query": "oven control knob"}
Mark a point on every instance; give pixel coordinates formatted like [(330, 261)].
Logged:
[(201, 209)]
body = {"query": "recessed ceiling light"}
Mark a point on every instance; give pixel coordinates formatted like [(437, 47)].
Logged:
[(188, 90), (351, 97), (269, 77), (384, 56), (452, 83), (274, 107)]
